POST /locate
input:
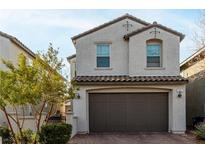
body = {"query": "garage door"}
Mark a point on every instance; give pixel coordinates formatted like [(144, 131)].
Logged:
[(128, 112)]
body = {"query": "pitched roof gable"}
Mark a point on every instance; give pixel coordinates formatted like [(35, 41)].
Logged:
[(19, 43), (155, 24), (126, 16), (194, 58)]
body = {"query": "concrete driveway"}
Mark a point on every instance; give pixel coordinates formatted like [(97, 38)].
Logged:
[(137, 138)]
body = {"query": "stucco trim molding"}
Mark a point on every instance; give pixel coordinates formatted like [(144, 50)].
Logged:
[(127, 88), (103, 68), (103, 42), (154, 68)]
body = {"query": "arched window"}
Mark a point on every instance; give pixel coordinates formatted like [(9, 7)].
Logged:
[(154, 52)]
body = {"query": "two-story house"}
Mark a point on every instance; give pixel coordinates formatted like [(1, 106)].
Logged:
[(129, 79)]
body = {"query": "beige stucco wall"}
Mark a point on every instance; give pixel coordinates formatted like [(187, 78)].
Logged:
[(177, 113), (72, 67), (29, 123), (10, 51), (113, 34), (126, 57), (194, 69), (72, 119), (138, 55)]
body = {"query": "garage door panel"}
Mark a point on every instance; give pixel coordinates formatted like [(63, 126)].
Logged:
[(98, 110), (131, 112), (136, 119), (117, 116)]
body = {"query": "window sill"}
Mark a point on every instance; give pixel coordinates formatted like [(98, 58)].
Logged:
[(154, 68), (103, 68)]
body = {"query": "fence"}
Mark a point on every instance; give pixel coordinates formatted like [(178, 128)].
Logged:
[(29, 123), (195, 100)]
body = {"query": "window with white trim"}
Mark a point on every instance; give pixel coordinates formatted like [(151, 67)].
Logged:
[(103, 55), (154, 51)]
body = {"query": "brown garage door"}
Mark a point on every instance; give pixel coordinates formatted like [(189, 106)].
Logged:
[(128, 112)]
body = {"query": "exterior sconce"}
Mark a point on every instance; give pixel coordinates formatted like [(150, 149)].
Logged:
[(179, 93), (77, 95)]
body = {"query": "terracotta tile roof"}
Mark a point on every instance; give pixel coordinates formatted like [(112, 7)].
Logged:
[(131, 79), (126, 16), (155, 24), (19, 43)]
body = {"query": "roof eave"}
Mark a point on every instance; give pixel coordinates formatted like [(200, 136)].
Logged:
[(198, 52), (28, 51), (126, 37), (19, 43), (71, 57), (133, 83), (109, 23)]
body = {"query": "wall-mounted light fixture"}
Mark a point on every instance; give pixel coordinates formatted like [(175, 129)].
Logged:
[(179, 93), (77, 95)]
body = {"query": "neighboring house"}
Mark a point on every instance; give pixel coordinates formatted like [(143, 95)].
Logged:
[(10, 48), (193, 68), (128, 75)]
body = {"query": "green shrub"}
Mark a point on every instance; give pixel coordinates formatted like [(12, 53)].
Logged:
[(27, 137), (200, 131), (58, 133), (5, 133)]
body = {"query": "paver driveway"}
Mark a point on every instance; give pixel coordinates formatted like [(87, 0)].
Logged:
[(137, 138)]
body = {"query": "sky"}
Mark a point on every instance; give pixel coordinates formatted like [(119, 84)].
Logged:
[(36, 28)]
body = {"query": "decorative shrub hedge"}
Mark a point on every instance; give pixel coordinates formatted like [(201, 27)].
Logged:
[(27, 137), (200, 131), (5, 133), (56, 133)]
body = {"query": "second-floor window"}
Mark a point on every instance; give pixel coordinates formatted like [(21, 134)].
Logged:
[(154, 54), (103, 55)]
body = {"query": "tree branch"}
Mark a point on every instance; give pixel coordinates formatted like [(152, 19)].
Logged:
[(49, 113), (23, 119), (40, 115), (10, 125)]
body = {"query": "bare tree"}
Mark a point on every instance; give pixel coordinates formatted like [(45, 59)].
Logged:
[(199, 33)]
